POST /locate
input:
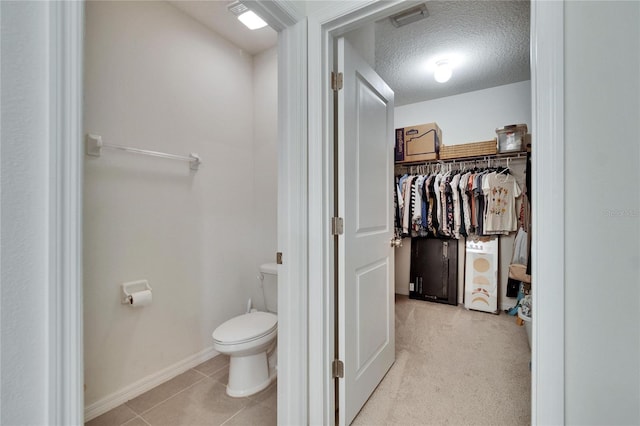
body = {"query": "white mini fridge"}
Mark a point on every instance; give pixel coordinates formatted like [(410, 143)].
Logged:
[(481, 275)]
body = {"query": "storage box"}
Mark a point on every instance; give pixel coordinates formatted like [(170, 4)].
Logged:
[(418, 143), (476, 149), (511, 138)]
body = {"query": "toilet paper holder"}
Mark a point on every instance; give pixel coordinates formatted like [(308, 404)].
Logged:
[(132, 287)]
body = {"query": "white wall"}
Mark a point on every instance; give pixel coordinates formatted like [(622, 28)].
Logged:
[(24, 211), (469, 117), (602, 222), (156, 79), (265, 160), (474, 116), (363, 40)]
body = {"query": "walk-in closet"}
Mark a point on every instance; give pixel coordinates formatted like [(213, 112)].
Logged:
[(460, 217), (462, 191)]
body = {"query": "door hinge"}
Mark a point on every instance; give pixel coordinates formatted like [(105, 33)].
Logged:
[(336, 81), (337, 369), (337, 226), (279, 258)]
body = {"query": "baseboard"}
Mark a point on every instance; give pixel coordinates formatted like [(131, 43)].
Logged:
[(147, 383)]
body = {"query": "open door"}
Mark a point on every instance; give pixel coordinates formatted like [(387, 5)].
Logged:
[(366, 334)]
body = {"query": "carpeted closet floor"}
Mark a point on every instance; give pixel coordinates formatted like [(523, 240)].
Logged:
[(453, 367)]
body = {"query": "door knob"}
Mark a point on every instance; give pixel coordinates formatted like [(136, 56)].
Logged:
[(396, 242)]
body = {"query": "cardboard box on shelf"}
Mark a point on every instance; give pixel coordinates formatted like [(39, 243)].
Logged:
[(399, 145), (418, 143)]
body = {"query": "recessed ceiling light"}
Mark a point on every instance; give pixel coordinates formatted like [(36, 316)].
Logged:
[(252, 21), (246, 16)]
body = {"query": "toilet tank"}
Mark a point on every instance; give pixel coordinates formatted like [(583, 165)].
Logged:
[(270, 273)]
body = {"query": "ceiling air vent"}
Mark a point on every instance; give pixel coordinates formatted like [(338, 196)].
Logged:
[(410, 15), (237, 8)]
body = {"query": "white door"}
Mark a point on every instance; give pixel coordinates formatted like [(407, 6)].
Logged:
[(366, 335)]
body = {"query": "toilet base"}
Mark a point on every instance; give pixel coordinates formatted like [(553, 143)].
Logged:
[(249, 375)]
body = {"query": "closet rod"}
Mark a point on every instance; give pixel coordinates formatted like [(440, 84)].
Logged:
[(94, 147), (504, 156)]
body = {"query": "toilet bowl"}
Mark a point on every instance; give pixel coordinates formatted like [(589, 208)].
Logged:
[(250, 342), (247, 340)]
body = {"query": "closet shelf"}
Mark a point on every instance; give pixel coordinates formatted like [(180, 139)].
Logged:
[(470, 159), (475, 151)]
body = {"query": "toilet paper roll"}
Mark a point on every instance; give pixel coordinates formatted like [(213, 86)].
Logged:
[(140, 298)]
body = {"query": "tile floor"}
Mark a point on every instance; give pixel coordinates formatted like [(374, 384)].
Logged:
[(195, 397)]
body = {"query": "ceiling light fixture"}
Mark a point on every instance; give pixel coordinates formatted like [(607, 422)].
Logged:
[(443, 71), (246, 16), (252, 21)]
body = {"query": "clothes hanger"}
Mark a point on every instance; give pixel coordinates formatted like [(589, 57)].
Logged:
[(505, 170)]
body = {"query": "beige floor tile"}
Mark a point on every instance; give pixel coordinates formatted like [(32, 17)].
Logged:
[(137, 421), (268, 397), (119, 415), (213, 365), (166, 390), (205, 403), (254, 415), (221, 376)]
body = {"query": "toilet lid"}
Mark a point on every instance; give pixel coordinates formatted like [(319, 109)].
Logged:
[(246, 327)]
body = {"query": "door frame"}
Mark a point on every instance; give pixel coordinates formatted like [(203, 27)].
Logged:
[(65, 393), (547, 97), (305, 194)]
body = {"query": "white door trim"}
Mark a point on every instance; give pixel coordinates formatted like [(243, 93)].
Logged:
[(321, 251), (547, 96), (293, 240), (323, 26), (65, 392), (548, 210)]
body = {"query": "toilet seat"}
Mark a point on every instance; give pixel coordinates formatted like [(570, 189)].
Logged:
[(245, 328)]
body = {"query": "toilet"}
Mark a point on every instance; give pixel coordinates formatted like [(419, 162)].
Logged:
[(250, 341)]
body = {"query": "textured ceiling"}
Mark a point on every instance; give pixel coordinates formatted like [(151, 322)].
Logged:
[(214, 15), (489, 38)]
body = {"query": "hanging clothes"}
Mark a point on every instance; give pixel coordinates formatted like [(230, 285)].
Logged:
[(500, 192), (456, 204), (466, 208)]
